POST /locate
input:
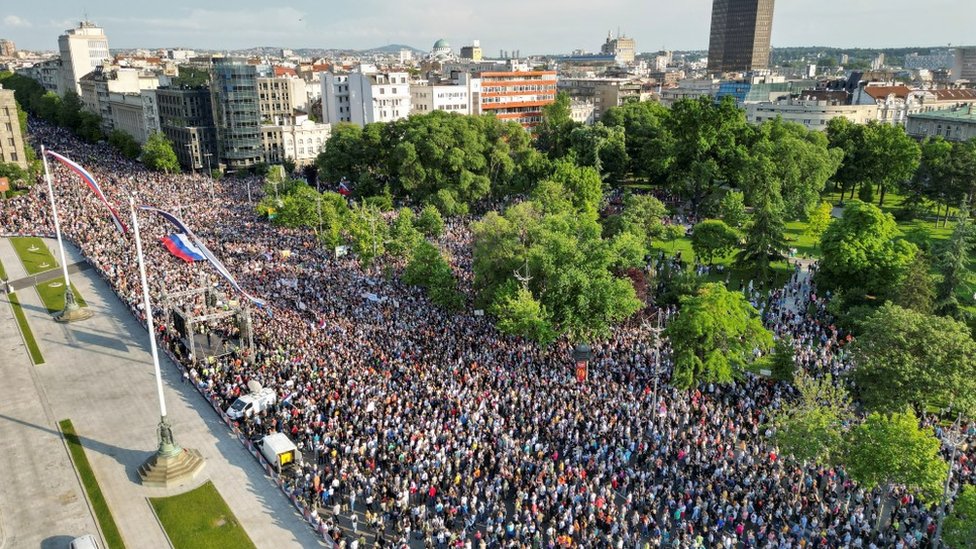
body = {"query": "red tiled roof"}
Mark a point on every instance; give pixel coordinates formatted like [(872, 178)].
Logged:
[(955, 95), (882, 92), (284, 71)]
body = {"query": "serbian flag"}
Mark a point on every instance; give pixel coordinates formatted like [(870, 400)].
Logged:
[(202, 248), (343, 189), (89, 179), (179, 245)]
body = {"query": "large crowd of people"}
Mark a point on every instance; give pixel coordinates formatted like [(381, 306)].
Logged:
[(426, 428)]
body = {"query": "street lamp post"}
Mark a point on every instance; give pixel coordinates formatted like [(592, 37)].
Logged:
[(210, 173), (952, 438), (189, 155)]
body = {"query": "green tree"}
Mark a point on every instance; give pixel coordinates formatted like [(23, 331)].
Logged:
[(916, 291), (570, 268), (861, 254), (713, 238), (601, 147), (801, 161), (874, 154), (557, 124), (428, 268), (820, 219), (905, 358), (892, 450), (648, 142), (704, 145), (764, 241), (953, 263), (583, 183), (430, 222), (782, 363), (124, 143), (959, 530), (811, 427), (929, 181), (404, 236), (732, 209), (642, 216), (714, 337), (158, 155), (519, 313), (672, 233)]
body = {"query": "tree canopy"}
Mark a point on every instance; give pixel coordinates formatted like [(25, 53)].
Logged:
[(555, 244), (861, 254), (449, 160), (811, 426), (712, 239), (714, 336), (906, 358), (959, 531), (158, 155), (892, 450)]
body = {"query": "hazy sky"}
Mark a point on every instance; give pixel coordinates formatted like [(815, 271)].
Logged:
[(531, 26)]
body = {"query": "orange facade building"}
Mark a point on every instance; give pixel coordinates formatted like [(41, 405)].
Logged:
[(518, 96)]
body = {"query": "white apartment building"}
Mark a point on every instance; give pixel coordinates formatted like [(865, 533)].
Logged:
[(126, 111), (279, 97), (462, 96), (365, 96), (813, 114), (82, 49), (301, 141), (98, 85)]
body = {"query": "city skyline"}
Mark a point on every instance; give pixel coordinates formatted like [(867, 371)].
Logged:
[(572, 24)]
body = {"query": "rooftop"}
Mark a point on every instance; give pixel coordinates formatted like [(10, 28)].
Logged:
[(965, 114)]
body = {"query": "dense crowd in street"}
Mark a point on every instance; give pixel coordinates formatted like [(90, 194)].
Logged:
[(432, 428)]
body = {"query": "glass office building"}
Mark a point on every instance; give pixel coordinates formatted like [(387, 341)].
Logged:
[(236, 113), (740, 35)]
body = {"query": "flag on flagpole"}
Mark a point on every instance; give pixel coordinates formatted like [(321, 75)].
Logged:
[(89, 179), (179, 245), (178, 223)]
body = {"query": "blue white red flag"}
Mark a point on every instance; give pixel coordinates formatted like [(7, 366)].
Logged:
[(89, 179), (180, 245), (343, 189), (207, 254)]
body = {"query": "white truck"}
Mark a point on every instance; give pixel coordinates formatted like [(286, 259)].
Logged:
[(252, 403), (279, 450)]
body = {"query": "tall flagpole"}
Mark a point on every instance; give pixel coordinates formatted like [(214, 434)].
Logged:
[(71, 310), (148, 310), (170, 464)]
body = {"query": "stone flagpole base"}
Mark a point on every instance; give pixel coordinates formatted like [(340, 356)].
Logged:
[(171, 465), (71, 312)]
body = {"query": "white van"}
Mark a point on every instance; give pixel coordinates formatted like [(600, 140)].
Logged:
[(84, 542), (248, 405), (279, 450)]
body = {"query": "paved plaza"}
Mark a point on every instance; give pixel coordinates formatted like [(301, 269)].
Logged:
[(99, 374)]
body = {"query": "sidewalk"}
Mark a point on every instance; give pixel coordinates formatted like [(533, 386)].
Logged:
[(99, 374), (42, 504)]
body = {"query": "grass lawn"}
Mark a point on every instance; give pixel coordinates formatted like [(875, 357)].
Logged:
[(3, 272), (25, 330), (200, 519), (102, 513), (52, 294), (37, 260)]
